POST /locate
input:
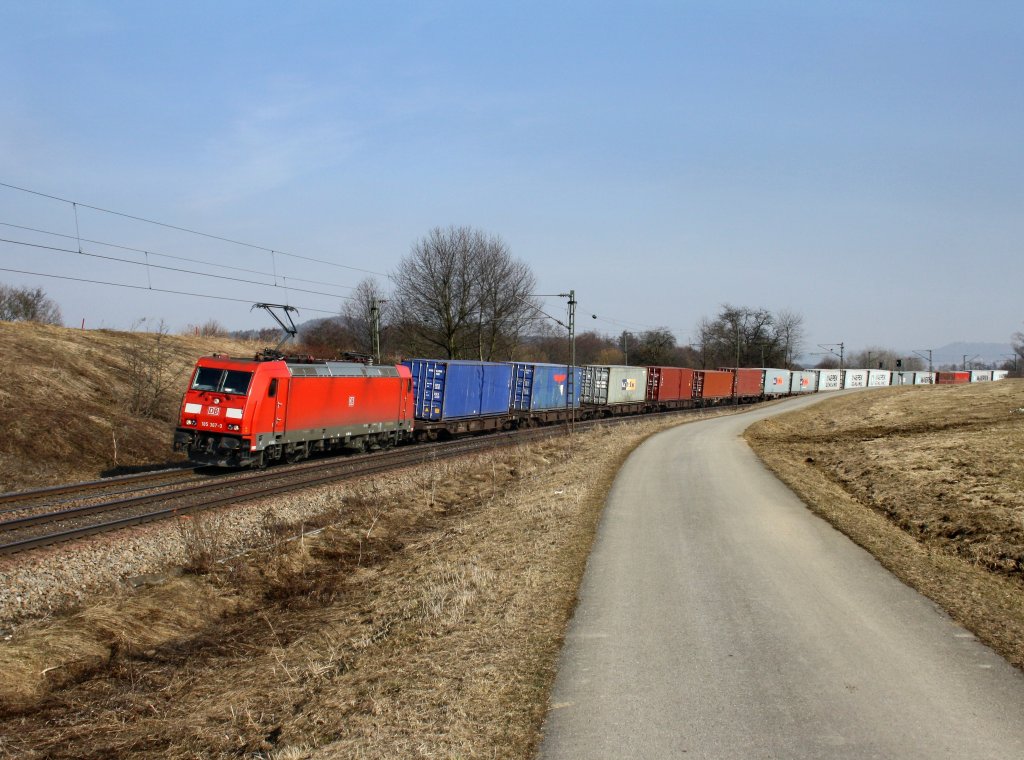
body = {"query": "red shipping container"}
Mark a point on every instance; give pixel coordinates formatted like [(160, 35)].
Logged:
[(711, 384), (749, 382), (952, 378), (669, 383)]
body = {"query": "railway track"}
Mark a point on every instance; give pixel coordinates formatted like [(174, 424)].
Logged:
[(17, 501), (39, 529)]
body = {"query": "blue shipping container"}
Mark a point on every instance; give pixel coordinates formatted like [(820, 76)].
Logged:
[(539, 387), (447, 389)]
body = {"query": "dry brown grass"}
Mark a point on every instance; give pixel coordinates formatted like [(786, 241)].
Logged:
[(424, 620), (931, 481), (66, 396)]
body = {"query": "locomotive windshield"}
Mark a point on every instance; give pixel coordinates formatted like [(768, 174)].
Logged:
[(222, 380)]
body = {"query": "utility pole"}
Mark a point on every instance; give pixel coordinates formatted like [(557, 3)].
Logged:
[(929, 358), (375, 327), (625, 347), (570, 373), (570, 379)]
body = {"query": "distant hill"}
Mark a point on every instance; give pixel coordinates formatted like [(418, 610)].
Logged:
[(982, 353)]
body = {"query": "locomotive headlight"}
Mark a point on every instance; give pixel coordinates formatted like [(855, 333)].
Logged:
[(233, 427), (191, 423)]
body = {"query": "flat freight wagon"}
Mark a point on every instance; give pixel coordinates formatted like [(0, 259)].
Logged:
[(459, 396)]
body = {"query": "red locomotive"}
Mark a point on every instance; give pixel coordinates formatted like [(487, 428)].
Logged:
[(250, 412)]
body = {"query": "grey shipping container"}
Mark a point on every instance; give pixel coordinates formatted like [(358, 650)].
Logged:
[(614, 384), (879, 378), (981, 375), (776, 382), (804, 381)]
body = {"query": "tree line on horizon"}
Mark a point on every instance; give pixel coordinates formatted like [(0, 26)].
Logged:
[(460, 294)]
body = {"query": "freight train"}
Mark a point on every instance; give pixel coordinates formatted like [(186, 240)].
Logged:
[(252, 412)]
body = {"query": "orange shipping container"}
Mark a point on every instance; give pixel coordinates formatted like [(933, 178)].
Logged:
[(710, 384)]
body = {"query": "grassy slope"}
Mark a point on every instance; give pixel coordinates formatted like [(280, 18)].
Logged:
[(66, 400), (930, 481), (424, 621)]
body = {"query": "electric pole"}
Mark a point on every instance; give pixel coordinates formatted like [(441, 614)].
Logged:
[(375, 327)]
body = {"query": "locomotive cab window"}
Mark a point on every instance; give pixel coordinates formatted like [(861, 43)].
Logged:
[(207, 379), (221, 380), (272, 390), (236, 382)]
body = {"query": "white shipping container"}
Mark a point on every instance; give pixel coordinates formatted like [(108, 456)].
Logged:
[(1000, 374), (776, 382), (981, 375), (879, 378), (855, 378), (912, 378), (830, 380)]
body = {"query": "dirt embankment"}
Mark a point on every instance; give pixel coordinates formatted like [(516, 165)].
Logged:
[(80, 403), (931, 481)]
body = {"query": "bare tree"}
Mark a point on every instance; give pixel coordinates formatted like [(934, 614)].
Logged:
[(740, 336), (460, 292), (28, 305), (789, 328), (149, 372), (506, 308), (357, 314)]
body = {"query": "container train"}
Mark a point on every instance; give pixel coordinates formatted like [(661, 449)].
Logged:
[(252, 412)]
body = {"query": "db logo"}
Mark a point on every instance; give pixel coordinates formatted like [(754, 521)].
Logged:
[(213, 411)]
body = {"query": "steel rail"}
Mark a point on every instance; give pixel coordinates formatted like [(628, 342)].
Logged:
[(94, 485), (293, 480)]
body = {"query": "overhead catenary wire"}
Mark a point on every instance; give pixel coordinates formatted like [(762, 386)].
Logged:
[(77, 204), (155, 290), (174, 257), (175, 269)]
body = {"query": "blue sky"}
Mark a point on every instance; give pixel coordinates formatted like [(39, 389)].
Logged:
[(860, 163)]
